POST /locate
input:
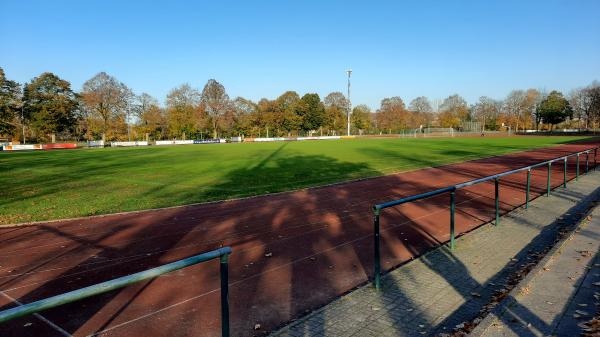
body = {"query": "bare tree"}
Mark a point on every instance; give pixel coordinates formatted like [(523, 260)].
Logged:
[(514, 105), (105, 97), (486, 110), (142, 103), (215, 102), (422, 110), (585, 103), (593, 92), (420, 104), (435, 104), (519, 108), (533, 97)]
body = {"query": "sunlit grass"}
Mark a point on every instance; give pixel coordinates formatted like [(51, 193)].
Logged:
[(69, 183)]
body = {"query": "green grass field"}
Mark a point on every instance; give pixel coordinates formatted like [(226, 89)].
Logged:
[(70, 183)]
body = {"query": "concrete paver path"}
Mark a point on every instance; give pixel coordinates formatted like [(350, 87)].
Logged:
[(559, 297), (439, 291)]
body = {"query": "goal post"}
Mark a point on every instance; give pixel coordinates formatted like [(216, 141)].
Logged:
[(438, 132)]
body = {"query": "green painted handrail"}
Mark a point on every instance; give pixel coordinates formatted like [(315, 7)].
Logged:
[(452, 189), (100, 288)]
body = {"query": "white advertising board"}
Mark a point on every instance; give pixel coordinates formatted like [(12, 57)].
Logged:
[(22, 147), (118, 144), (173, 142)]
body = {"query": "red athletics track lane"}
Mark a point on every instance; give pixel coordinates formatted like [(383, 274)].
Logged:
[(320, 240)]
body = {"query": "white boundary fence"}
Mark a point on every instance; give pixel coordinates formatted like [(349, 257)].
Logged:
[(279, 139), (23, 147), (173, 142), (319, 138), (95, 143), (119, 144)]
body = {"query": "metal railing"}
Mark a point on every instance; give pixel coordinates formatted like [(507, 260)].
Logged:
[(100, 288), (452, 190)]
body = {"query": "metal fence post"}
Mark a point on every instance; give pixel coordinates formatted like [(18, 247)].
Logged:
[(452, 209), (124, 281), (565, 174), (377, 255), (577, 174), (497, 183), (587, 162), (528, 187), (224, 295), (548, 183)]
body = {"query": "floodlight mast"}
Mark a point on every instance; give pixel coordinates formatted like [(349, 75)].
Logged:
[(349, 71), (23, 120)]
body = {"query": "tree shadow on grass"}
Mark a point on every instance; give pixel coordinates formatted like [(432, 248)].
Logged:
[(293, 227), (79, 182), (293, 252)]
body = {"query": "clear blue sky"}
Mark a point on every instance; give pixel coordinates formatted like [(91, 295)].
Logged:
[(263, 48)]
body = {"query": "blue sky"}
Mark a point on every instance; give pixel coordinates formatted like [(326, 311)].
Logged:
[(263, 48)]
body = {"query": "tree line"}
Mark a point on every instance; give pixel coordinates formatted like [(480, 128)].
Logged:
[(106, 108)]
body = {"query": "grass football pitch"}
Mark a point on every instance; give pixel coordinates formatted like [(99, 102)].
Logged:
[(70, 183)]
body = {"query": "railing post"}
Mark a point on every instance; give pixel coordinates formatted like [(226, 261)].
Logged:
[(528, 186), (377, 255), (577, 174), (497, 185), (224, 295), (452, 209), (595, 153), (587, 162), (548, 183), (565, 174)]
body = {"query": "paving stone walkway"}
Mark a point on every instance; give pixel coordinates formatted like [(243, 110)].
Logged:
[(440, 290), (558, 297)]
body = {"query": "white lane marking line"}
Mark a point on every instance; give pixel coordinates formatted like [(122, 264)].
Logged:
[(38, 316)]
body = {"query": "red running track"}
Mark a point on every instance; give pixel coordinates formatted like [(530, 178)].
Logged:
[(320, 240)]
